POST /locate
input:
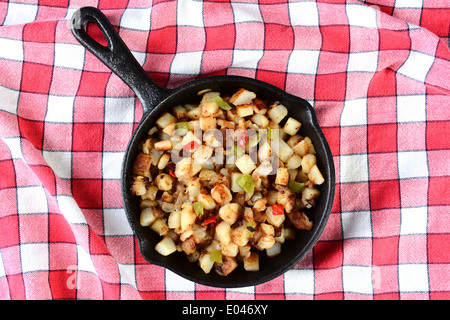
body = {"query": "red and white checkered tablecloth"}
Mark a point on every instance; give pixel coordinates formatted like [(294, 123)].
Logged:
[(377, 73)]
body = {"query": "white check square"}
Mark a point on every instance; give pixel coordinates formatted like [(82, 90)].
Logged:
[(247, 59), (361, 15), (354, 168), (356, 224), (357, 279), (136, 19), (299, 281), (411, 108), (176, 283), (112, 165), (69, 56), (20, 13), (34, 257), (187, 63), (303, 61), (60, 109), (32, 200), (11, 49), (413, 277), (190, 13), (354, 112), (60, 162), (412, 164), (416, 66), (413, 220), (116, 223), (246, 12), (303, 13), (119, 109), (363, 61)]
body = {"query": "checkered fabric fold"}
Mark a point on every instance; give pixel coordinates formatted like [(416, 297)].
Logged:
[(377, 73)]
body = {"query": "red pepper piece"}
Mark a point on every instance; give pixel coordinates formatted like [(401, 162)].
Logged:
[(242, 140), (277, 209), (191, 145), (210, 220)]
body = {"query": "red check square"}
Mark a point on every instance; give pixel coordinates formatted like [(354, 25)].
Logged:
[(225, 33), (36, 77), (87, 137)]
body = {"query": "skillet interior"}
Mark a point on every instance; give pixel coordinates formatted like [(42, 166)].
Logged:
[(292, 251)]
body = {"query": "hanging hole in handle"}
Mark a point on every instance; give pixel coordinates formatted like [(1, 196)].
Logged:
[(93, 30)]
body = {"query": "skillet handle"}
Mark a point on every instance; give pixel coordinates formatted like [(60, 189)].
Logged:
[(117, 56)]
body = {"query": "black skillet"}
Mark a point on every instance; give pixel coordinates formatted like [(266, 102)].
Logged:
[(156, 100)]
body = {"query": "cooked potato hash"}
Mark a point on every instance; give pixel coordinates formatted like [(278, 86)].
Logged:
[(225, 180)]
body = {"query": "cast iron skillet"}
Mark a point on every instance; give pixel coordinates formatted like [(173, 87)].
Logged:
[(155, 100)]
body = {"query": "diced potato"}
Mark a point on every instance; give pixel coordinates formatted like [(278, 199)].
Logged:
[(267, 229), (260, 120), (294, 161), (260, 205), (174, 220), (227, 266), (266, 242), (308, 161), (193, 187), (278, 113), (186, 234), (202, 154), (242, 96), (282, 150), (163, 145), (208, 123), (308, 196), (209, 108), (292, 126), (265, 151), (305, 146), (240, 235), (170, 129), (141, 165), (160, 226), (244, 110), (145, 203), (163, 161), (207, 200), (183, 169), (275, 220), (188, 246), (165, 120), (300, 220), (235, 187), (282, 176), (166, 246), (230, 249), (251, 263), (180, 112), (148, 216), (315, 175), (272, 197), (292, 141), (221, 194), (164, 181), (230, 212), (207, 175), (194, 113), (205, 262), (188, 216), (274, 250), (151, 193), (138, 187), (287, 199), (223, 232), (245, 164)]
